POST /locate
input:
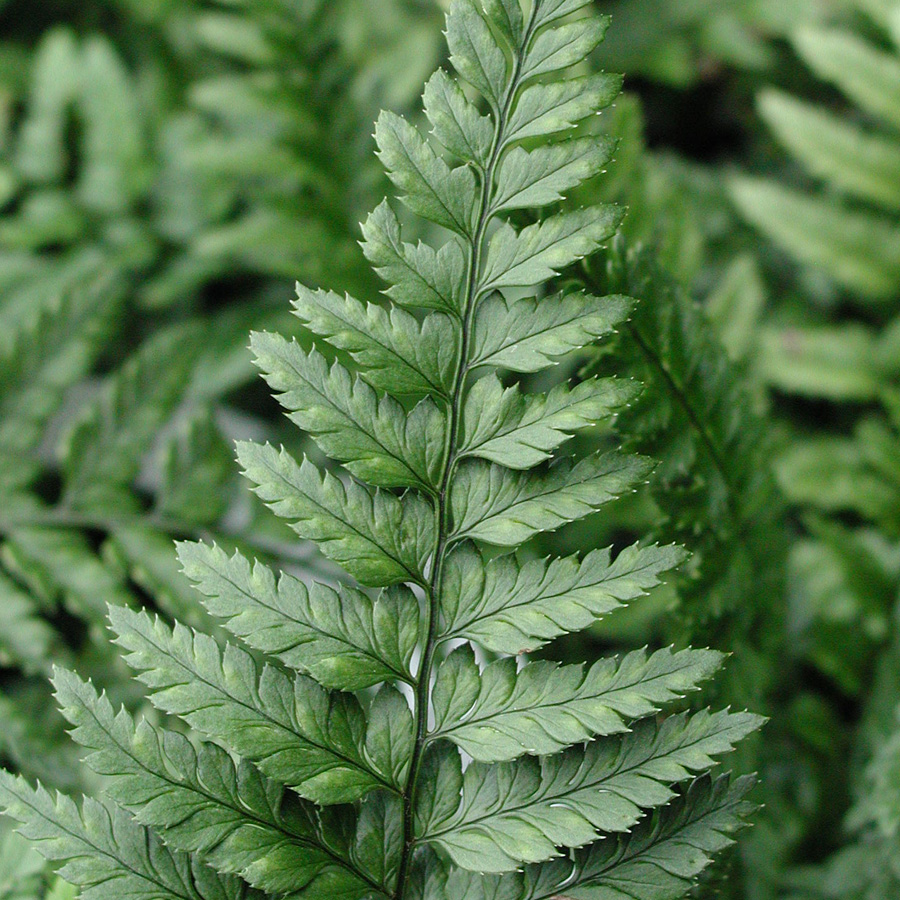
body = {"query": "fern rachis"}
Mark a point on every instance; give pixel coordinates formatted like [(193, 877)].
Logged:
[(343, 787)]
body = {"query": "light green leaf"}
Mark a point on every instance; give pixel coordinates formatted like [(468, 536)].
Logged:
[(868, 76), (374, 437), (115, 170), (503, 712), (342, 637), (528, 335), (201, 802), (145, 555), (474, 52), (60, 564), (519, 431), (389, 737), (659, 860), (431, 188), (549, 11), (863, 163), (455, 121), (419, 276), (103, 452), (377, 537), (21, 867), (107, 854), (512, 607), (538, 252), (539, 177), (506, 16), (296, 732), (197, 471), (840, 363), (735, 307), (41, 151), (48, 353), (394, 351), (558, 48), (490, 503), (442, 779), (544, 109), (860, 250), (523, 811)]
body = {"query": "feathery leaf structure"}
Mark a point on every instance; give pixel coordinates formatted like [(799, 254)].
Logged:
[(347, 786), (852, 230), (714, 481)]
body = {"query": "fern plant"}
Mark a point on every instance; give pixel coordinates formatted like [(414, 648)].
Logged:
[(350, 740), (695, 416)]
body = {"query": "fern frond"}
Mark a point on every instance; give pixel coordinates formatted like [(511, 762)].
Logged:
[(342, 637), (375, 536), (851, 234), (522, 812), (511, 607), (714, 480), (501, 713), (199, 801), (349, 779)]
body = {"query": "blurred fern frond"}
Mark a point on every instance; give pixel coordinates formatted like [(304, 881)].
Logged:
[(848, 222)]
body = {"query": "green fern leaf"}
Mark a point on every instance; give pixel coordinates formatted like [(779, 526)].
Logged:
[(541, 176), (456, 121), (292, 729), (512, 607), (530, 335), (336, 769), (659, 860), (372, 436), (538, 252), (856, 244), (713, 481), (500, 713), (499, 506), (44, 357), (860, 248), (522, 812), (199, 801), (393, 349), (520, 431), (372, 534), (862, 162), (342, 637), (866, 75), (105, 853), (432, 189), (22, 868)]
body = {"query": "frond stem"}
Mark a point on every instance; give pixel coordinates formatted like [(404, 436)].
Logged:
[(442, 510)]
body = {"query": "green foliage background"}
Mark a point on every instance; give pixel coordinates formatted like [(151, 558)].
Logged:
[(169, 168)]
